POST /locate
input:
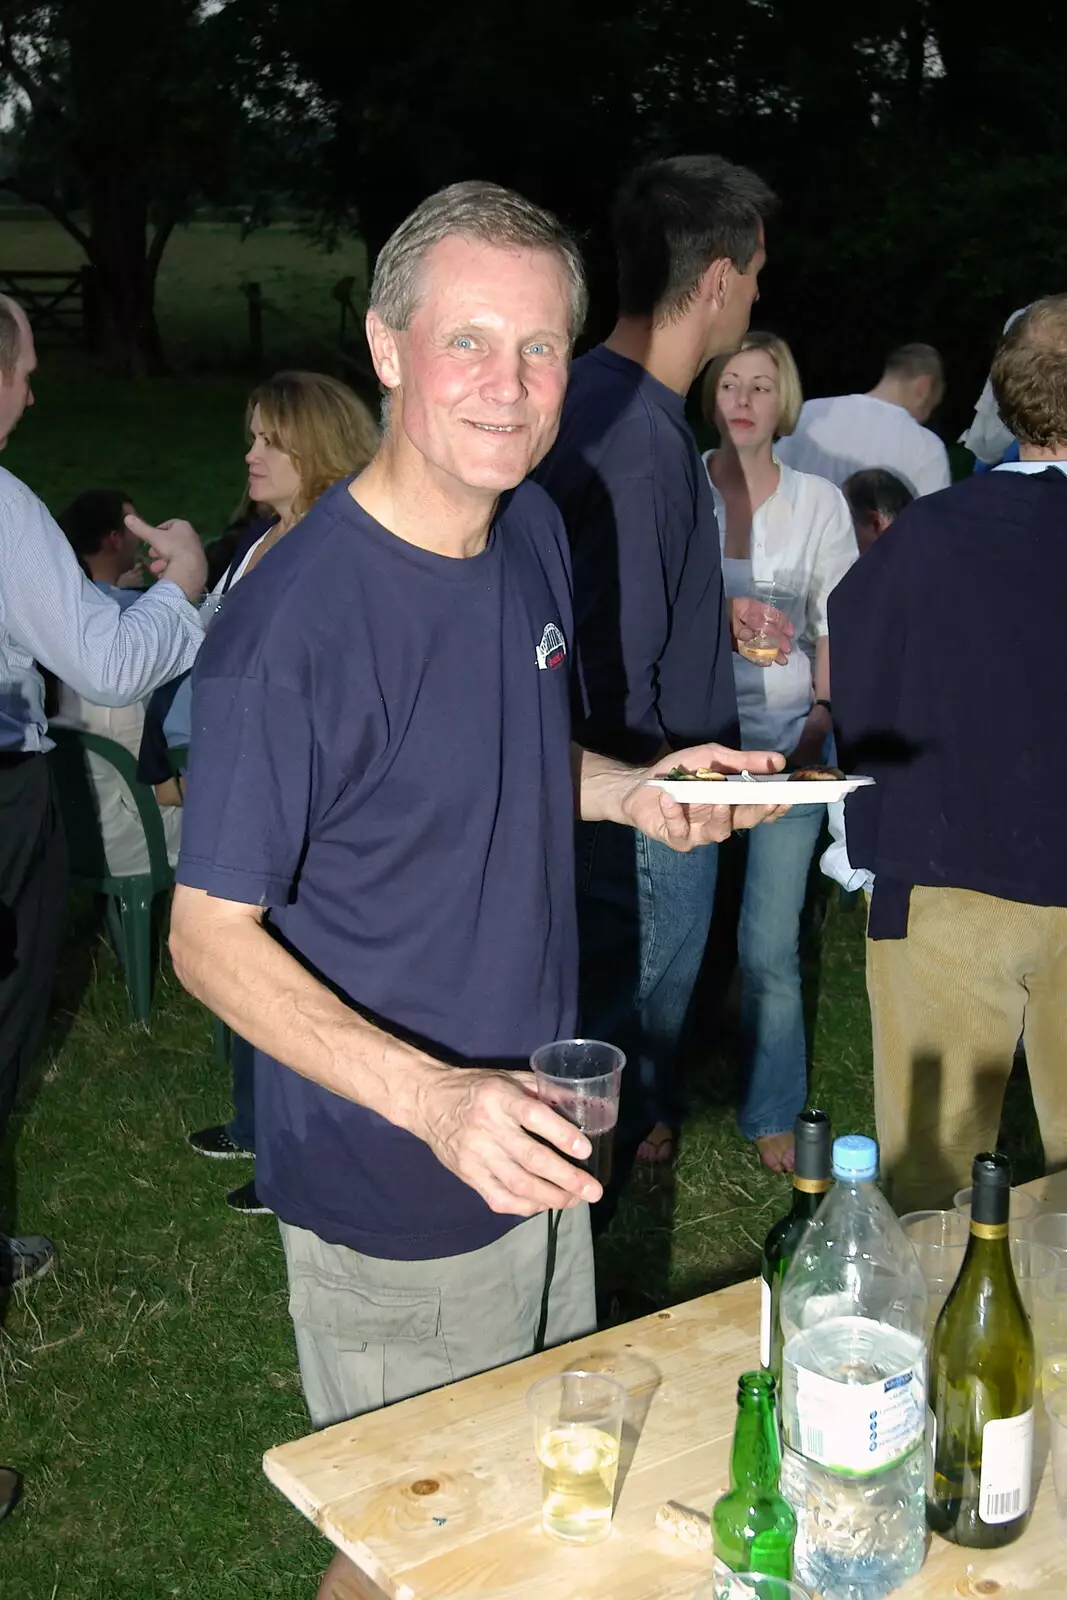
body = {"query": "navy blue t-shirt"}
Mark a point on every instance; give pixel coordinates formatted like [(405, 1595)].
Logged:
[(381, 756), (651, 628)]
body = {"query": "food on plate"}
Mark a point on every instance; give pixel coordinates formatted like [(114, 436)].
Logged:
[(679, 775), (818, 775)]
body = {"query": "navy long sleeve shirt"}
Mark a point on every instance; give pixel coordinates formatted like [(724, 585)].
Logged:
[(948, 689)]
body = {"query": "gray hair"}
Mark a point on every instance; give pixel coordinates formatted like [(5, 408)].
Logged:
[(10, 335), (474, 210)]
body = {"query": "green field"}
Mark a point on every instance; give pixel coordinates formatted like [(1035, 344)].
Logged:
[(141, 1382)]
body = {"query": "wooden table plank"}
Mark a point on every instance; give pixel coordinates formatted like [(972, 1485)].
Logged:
[(437, 1498)]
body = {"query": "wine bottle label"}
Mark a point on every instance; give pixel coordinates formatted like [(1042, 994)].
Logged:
[(855, 1428), (989, 1230), (1007, 1468), (811, 1185), (764, 1323)]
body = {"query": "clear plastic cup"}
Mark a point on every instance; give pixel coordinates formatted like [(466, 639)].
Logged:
[(1023, 1207), (581, 1079), (577, 1419), (939, 1239), (776, 602), (1032, 1263), (1050, 1229), (750, 1586), (1056, 1407), (1049, 1317)]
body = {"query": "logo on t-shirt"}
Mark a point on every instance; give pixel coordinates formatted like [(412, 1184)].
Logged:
[(552, 651)]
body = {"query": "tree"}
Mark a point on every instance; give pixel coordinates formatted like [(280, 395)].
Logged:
[(124, 114)]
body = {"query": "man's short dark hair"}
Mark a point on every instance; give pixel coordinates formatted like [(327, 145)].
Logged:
[(1029, 374), (916, 361), (90, 517), (876, 492), (673, 218)]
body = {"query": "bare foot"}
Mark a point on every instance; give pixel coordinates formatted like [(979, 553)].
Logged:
[(777, 1151), (658, 1149)]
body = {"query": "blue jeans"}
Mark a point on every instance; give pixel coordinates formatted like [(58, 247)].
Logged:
[(643, 917), (242, 1127), (768, 951)]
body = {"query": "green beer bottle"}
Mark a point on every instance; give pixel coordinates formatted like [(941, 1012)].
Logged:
[(753, 1527), (811, 1180)]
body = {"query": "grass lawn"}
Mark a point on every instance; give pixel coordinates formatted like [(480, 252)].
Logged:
[(141, 1382)]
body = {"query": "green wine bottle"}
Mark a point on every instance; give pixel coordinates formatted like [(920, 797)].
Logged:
[(811, 1180), (753, 1527), (982, 1383)]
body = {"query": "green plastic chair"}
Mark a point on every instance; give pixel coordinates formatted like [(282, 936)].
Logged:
[(130, 899)]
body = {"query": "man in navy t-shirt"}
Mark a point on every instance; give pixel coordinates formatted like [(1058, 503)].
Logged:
[(652, 629), (377, 880)]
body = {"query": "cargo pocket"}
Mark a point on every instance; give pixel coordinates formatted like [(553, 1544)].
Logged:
[(362, 1345)]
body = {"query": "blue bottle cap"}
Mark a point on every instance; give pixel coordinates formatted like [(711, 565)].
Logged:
[(855, 1158)]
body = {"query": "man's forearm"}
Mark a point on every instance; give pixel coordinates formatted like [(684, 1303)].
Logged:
[(251, 981), (601, 784)]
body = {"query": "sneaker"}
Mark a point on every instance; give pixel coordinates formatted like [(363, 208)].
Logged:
[(10, 1489), (25, 1259), (247, 1201), (216, 1143)]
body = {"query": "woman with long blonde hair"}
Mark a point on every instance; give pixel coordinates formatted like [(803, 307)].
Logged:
[(307, 431)]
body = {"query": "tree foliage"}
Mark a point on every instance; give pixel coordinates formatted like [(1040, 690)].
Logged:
[(124, 116), (920, 156)]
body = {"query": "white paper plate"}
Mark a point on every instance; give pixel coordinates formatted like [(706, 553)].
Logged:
[(770, 789)]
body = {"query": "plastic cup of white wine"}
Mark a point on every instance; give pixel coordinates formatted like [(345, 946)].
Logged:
[(577, 1420), (1023, 1207), (1056, 1406), (939, 1239), (1050, 1229), (1050, 1329), (750, 1586), (776, 601)]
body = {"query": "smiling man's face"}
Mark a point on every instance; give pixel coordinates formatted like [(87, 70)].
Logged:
[(483, 367)]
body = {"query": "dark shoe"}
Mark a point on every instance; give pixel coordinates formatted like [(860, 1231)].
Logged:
[(216, 1143), (10, 1489), (247, 1201), (25, 1259)]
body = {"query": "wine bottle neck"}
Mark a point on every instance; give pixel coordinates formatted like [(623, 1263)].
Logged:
[(808, 1194)]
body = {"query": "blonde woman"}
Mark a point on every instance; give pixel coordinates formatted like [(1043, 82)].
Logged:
[(307, 431), (795, 529)]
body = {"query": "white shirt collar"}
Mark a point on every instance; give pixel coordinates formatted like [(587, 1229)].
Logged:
[(1030, 466)]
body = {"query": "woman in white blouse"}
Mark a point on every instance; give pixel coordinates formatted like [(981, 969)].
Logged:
[(792, 528)]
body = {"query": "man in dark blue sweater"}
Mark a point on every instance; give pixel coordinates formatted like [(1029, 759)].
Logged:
[(944, 635), (652, 627)]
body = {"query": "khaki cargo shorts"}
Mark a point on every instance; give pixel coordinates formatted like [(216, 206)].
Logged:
[(370, 1331)]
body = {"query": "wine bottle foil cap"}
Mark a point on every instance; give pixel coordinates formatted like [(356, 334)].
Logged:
[(813, 1145), (855, 1158), (992, 1169)]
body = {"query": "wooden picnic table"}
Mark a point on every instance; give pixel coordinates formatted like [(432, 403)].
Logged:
[(439, 1495)]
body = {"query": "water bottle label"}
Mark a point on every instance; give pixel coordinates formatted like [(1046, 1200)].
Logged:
[(1007, 1467), (764, 1323), (854, 1428)]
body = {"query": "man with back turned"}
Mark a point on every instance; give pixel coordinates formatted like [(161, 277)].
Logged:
[(651, 623)]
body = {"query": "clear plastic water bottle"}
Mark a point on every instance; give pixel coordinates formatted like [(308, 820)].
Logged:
[(854, 1390)]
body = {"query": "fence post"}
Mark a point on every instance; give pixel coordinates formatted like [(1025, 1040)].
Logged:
[(90, 280), (254, 294)]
